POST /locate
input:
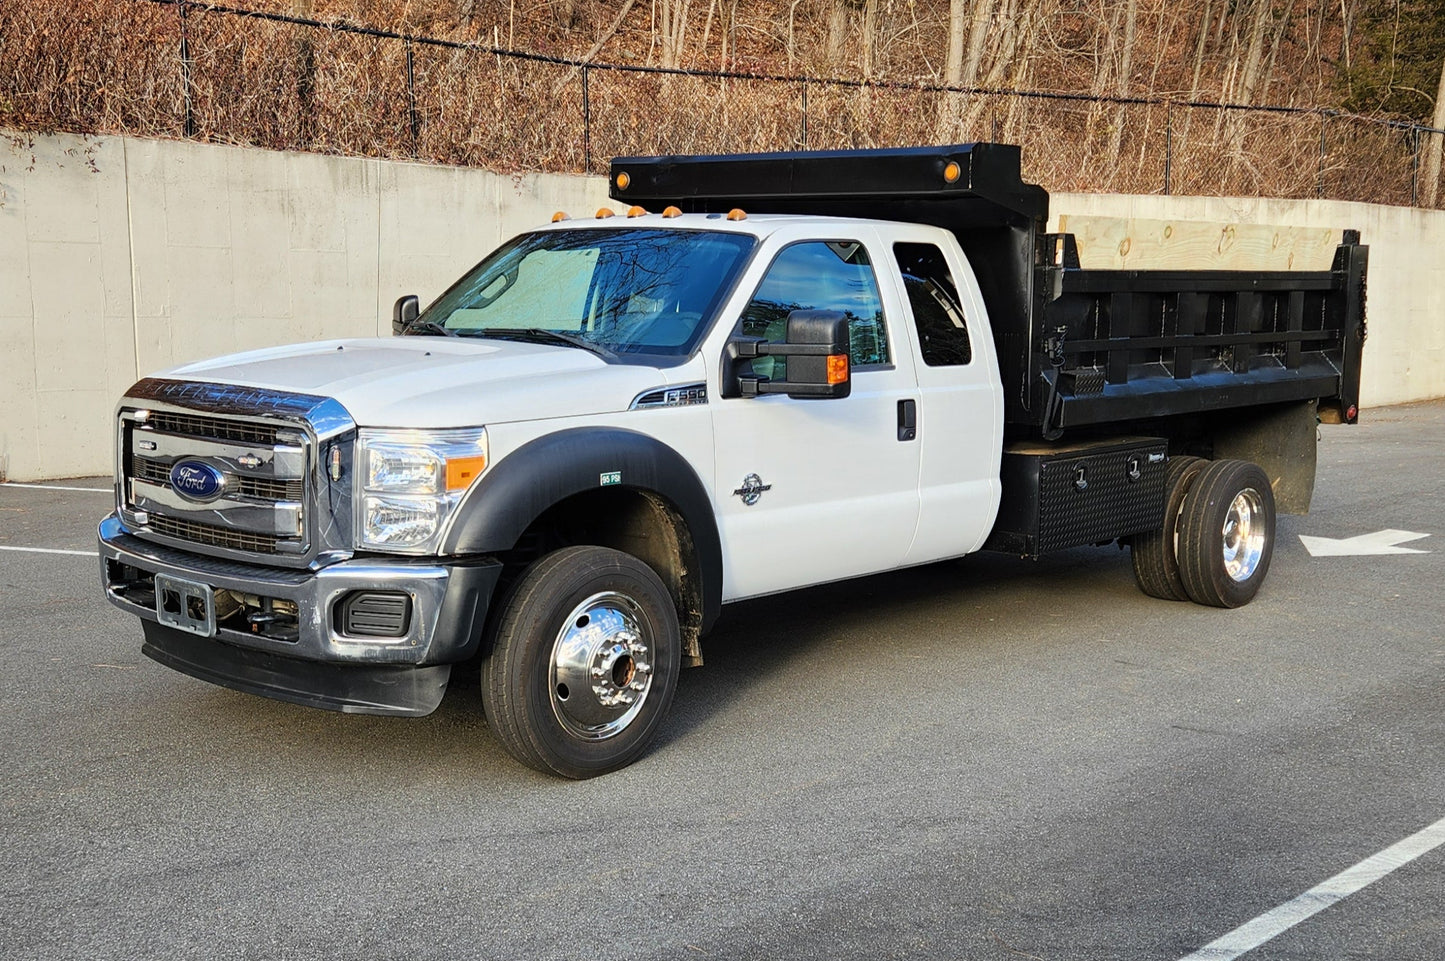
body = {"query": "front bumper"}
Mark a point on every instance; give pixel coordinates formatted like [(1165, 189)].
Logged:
[(312, 660)]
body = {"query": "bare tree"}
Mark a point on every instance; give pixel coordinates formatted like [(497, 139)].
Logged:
[(1431, 173), (670, 16)]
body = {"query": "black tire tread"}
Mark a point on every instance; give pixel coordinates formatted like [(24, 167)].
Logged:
[(508, 668), (1156, 569), (1201, 567)]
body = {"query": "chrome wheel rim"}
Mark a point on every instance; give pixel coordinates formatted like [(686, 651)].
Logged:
[(601, 667), (1244, 535)]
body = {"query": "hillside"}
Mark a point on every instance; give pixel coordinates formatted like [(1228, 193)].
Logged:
[(1113, 95)]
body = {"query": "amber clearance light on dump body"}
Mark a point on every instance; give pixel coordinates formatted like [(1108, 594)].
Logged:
[(837, 368), (623, 181), (952, 172), (461, 471)]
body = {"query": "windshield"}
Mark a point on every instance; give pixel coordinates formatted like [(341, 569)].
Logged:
[(619, 290)]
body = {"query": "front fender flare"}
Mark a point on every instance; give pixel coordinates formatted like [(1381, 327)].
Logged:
[(546, 471)]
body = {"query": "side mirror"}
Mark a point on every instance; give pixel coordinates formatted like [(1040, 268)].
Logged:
[(817, 354), (403, 312)]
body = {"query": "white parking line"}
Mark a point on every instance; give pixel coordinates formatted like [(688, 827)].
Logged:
[(1252, 934), (47, 550), (52, 487)]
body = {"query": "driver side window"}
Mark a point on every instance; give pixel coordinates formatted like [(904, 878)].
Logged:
[(819, 275)]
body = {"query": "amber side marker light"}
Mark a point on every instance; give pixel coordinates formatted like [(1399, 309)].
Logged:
[(461, 471), (604, 213), (952, 172), (636, 212), (623, 181), (560, 216), (671, 212), (737, 214), (837, 368)]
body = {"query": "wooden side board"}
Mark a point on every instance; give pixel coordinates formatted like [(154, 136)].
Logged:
[(1114, 243)]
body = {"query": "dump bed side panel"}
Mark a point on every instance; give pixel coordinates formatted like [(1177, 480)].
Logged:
[(1117, 346)]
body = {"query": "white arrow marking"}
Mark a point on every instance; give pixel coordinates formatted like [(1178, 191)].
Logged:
[(1380, 542)]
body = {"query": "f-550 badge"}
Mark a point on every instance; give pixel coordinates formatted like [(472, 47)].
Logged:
[(752, 490)]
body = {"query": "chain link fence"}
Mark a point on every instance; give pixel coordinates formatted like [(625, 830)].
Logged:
[(179, 68)]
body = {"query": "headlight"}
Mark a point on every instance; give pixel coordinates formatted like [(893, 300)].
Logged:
[(410, 482)]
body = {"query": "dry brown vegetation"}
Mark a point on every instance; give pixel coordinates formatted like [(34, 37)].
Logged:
[(1104, 95)]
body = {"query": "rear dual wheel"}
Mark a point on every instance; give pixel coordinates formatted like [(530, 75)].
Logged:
[(1217, 537), (1156, 566), (1226, 534), (583, 662)]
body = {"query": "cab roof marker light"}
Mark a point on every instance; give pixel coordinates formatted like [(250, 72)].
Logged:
[(636, 212), (737, 213), (560, 216), (671, 212), (604, 213)]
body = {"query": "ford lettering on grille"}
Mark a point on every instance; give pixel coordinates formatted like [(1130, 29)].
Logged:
[(197, 481)]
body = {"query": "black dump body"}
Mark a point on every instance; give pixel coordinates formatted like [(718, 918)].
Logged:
[(1080, 350)]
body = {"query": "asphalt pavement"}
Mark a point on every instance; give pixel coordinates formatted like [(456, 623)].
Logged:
[(982, 759)]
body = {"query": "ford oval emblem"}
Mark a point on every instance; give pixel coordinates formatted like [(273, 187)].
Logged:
[(197, 481)]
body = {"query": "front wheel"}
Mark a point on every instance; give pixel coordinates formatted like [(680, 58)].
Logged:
[(1226, 534), (583, 663)]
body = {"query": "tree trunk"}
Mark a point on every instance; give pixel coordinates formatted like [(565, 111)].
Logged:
[(957, 31), (1434, 142), (672, 26)]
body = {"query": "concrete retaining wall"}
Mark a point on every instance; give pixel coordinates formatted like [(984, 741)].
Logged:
[(120, 256)]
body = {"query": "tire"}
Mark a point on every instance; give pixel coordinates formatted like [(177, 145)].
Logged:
[(583, 662), (1156, 564), (1226, 534)]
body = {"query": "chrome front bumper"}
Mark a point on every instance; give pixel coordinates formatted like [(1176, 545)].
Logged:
[(317, 663)]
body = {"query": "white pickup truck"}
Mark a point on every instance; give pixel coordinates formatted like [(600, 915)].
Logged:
[(787, 369)]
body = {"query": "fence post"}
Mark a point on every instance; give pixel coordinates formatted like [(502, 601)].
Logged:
[(1168, 144), (805, 115), (586, 122), (413, 121), (1320, 171), (190, 118)]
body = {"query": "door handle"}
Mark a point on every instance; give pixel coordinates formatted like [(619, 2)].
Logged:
[(907, 420)]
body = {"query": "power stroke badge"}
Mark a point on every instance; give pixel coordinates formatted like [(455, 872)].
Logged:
[(752, 490)]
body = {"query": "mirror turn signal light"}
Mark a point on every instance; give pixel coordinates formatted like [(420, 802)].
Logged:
[(837, 369)]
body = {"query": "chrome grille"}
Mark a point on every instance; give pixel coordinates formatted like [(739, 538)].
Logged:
[(250, 464), (253, 468)]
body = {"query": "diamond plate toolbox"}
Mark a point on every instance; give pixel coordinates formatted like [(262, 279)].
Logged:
[(1061, 496)]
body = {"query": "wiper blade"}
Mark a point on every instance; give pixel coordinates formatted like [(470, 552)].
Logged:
[(541, 335), (423, 328)]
